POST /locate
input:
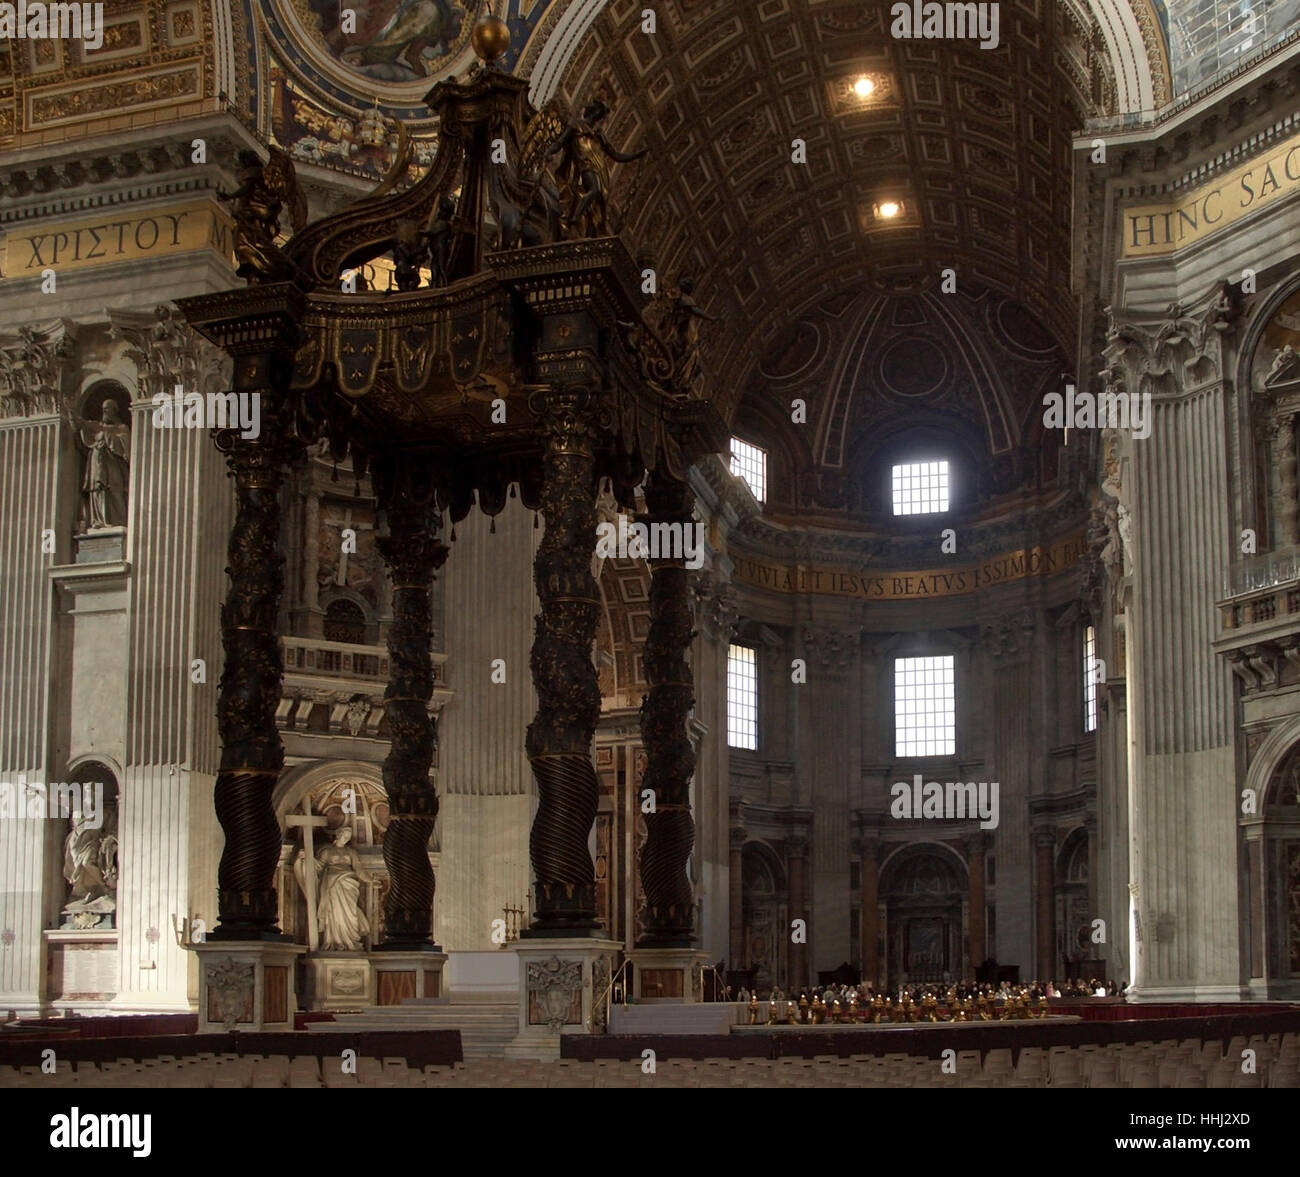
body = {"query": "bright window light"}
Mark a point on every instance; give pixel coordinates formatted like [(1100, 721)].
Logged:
[(925, 711), (750, 463), (1090, 679), (920, 488), (742, 697)]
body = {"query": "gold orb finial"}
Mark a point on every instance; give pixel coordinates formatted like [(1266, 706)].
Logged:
[(490, 38)]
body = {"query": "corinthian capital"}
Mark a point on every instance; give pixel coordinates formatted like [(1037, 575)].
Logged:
[(35, 367), (717, 610)]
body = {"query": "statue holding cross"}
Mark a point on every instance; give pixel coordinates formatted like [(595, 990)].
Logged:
[(307, 821), (331, 878)]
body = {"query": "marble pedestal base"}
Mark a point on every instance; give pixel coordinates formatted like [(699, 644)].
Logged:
[(399, 975), (667, 974), (341, 980), (562, 985), (246, 985), (101, 546)]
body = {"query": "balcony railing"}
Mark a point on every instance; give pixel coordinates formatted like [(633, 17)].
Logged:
[(1265, 571), (322, 659)]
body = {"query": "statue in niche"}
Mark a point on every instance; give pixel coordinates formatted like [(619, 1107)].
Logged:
[(90, 868), (108, 457), (1124, 524), (584, 169), (343, 925)]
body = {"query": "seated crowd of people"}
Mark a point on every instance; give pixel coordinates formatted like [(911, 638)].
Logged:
[(960, 1002)]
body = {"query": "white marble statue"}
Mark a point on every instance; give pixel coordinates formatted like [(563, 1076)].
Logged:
[(1125, 525), (90, 868), (108, 455), (342, 922)]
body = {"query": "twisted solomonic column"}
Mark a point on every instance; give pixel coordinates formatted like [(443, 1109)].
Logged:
[(670, 759), (251, 752), (412, 552), (568, 696)]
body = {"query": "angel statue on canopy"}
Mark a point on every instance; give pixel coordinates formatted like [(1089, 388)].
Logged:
[(584, 168), (263, 191)]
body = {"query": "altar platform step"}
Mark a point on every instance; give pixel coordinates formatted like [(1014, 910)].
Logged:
[(484, 1027), (707, 1017)]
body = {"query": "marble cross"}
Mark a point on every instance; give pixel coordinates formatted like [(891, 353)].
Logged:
[(343, 520), (307, 820)]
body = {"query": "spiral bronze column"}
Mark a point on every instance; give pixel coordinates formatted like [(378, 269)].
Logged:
[(568, 695), (251, 752), (412, 551), (670, 759)]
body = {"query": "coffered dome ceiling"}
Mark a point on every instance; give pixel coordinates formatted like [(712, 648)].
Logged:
[(972, 145), (883, 373)]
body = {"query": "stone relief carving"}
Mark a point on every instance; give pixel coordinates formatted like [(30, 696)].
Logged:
[(554, 983), (232, 982), (833, 649), (599, 983), (1285, 366), (1009, 636)]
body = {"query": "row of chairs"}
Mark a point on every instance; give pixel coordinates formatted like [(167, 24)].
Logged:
[(1259, 1061)]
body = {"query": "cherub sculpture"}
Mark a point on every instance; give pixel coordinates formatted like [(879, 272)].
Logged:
[(263, 191), (584, 169)]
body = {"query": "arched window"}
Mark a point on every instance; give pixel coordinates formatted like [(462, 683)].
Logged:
[(344, 622)]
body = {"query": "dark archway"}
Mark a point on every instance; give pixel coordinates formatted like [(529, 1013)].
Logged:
[(924, 891)]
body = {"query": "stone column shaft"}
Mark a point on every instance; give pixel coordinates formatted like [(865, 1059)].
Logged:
[(1045, 902), (798, 860), (870, 914), (975, 869), (736, 899)]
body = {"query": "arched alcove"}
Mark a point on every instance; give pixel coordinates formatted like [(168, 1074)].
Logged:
[(923, 889), (765, 899)]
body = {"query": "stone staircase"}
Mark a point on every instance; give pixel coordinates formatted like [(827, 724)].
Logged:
[(707, 1017), (484, 1027)]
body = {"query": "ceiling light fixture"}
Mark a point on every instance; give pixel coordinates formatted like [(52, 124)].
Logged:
[(863, 87), (888, 209)]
